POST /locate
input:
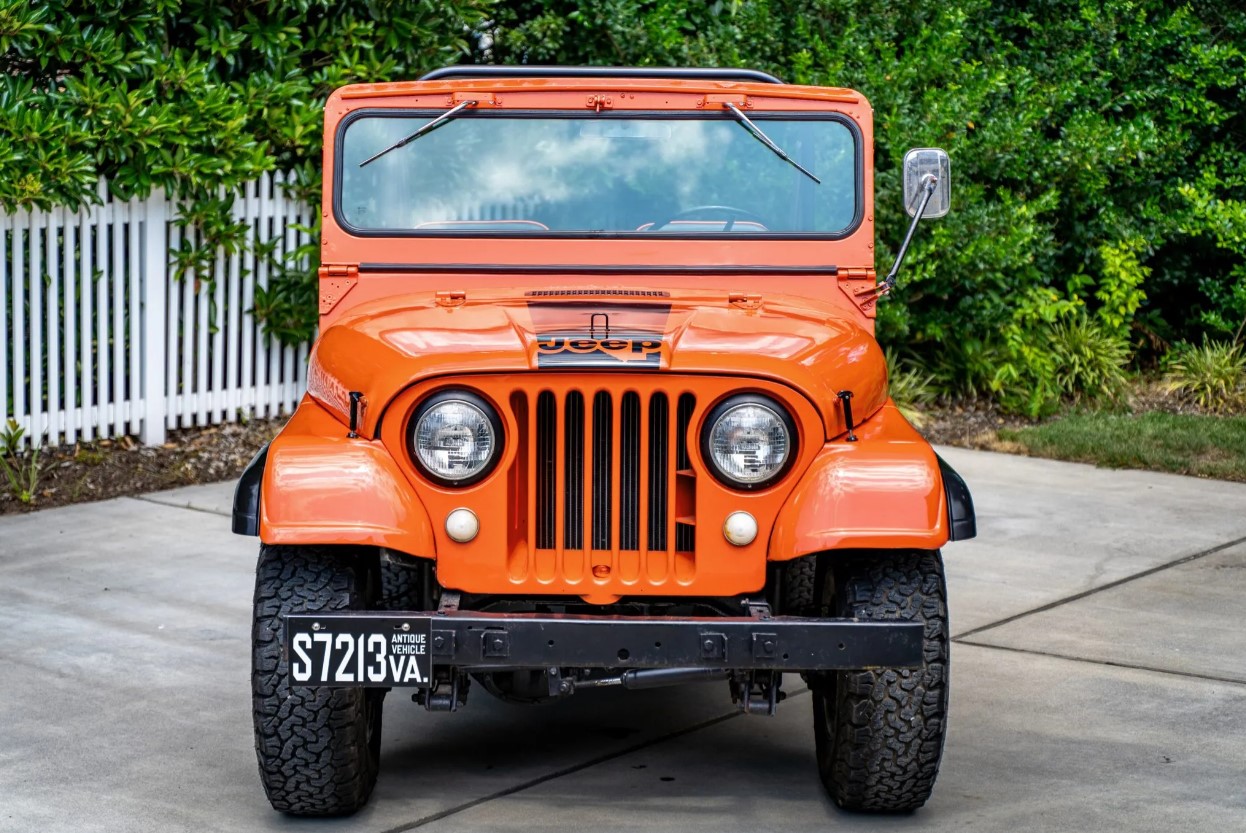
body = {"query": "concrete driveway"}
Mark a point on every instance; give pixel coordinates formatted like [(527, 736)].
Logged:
[(1099, 683)]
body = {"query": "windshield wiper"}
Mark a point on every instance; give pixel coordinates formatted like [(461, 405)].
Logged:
[(428, 128), (748, 125)]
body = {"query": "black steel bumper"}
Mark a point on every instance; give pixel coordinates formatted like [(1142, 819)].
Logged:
[(471, 640)]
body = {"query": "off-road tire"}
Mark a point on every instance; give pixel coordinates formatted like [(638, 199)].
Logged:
[(799, 587), (402, 586), (879, 733), (318, 748)]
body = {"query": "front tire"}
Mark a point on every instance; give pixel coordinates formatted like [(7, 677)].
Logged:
[(879, 733), (318, 748)]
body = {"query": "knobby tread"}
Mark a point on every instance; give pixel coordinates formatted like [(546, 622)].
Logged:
[(316, 748), (880, 732), (800, 586), (402, 587)]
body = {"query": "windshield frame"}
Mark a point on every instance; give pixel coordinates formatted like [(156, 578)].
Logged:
[(762, 117)]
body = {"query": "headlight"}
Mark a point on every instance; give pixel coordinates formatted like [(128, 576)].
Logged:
[(748, 441), (455, 437)]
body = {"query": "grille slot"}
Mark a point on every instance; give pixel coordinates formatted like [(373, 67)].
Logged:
[(685, 534), (605, 470)]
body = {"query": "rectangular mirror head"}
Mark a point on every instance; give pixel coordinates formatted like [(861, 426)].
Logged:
[(918, 164)]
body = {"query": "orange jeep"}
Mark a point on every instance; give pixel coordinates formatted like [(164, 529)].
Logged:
[(597, 402)]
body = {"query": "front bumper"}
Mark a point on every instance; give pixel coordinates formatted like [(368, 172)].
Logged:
[(474, 641)]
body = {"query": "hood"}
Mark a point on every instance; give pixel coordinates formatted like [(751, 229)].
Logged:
[(383, 347)]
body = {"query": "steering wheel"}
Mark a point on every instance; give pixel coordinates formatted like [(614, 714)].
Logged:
[(731, 211)]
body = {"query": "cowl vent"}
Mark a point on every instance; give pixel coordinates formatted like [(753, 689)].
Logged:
[(628, 293)]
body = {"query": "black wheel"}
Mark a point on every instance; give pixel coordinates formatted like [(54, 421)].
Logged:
[(318, 748), (879, 733)]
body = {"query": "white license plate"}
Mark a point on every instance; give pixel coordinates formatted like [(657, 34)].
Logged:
[(371, 651)]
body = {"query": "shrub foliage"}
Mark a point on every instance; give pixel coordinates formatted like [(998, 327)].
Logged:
[(1212, 376), (1096, 144)]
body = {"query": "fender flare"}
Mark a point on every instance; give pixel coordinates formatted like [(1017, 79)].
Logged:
[(962, 520), (247, 495)]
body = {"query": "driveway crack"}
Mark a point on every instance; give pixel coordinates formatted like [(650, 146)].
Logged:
[(1117, 583)]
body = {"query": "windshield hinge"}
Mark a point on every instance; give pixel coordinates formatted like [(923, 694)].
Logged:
[(336, 279), (599, 102), (744, 300), (861, 286), (451, 298)]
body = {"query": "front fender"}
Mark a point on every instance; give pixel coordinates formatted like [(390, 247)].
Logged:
[(888, 490), (319, 486)]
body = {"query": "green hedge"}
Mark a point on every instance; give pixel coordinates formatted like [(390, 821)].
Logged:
[(1098, 164)]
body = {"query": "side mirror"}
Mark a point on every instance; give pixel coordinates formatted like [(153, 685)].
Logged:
[(920, 163)]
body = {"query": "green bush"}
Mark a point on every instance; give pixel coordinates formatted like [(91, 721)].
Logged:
[(910, 387), (1212, 376), (1089, 361), (1072, 359)]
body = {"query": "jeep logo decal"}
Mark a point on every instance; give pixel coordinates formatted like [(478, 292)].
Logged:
[(588, 351)]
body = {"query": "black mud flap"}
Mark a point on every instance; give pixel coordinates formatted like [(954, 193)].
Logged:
[(962, 522), (247, 495)]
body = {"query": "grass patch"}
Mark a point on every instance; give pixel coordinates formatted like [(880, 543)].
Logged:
[(1204, 446)]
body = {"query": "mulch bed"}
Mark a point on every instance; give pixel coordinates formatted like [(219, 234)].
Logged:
[(968, 425), (115, 468)]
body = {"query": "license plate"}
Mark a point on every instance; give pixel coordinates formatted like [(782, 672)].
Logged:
[(365, 651)]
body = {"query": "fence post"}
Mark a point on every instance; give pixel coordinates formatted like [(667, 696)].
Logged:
[(155, 287)]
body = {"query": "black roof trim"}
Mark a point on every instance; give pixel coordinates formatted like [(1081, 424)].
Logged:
[(523, 71)]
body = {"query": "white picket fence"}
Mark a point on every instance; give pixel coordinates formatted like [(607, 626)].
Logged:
[(98, 338)]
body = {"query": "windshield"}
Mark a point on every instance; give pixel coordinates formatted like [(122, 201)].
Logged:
[(597, 174)]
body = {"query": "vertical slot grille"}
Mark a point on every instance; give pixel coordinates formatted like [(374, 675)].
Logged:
[(588, 445)]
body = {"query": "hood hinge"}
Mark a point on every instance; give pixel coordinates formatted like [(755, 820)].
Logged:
[(860, 284), (336, 279)]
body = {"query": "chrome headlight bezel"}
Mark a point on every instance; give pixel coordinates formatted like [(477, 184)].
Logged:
[(727, 407), (472, 400)]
